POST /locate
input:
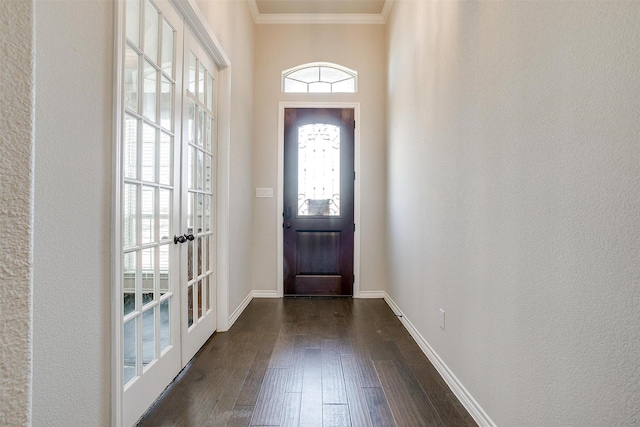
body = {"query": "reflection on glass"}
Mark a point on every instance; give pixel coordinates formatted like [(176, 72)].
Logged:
[(191, 153), (167, 48), (192, 73), (190, 260), (164, 215), (150, 31), (148, 214), (319, 170), (199, 212), (132, 16), (129, 282), (191, 123), (165, 337), (130, 354), (207, 173), (148, 336), (190, 306), (131, 79), (208, 292), (201, 72), (199, 169), (207, 213), (199, 299), (199, 256), (148, 153), (190, 201), (200, 130), (163, 269), (166, 101), (149, 97), (130, 152), (207, 144), (165, 159), (206, 242), (148, 275), (130, 219)]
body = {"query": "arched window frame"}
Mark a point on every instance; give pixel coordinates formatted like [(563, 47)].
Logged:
[(352, 75)]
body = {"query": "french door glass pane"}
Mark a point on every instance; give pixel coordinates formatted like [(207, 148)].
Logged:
[(130, 352), (166, 101), (165, 337), (132, 16), (150, 89), (131, 73), (192, 73), (130, 151), (148, 336), (163, 269), (148, 275), (319, 170), (201, 73), (190, 306), (129, 280), (164, 215), (130, 217), (165, 159), (148, 214), (150, 31), (167, 48), (148, 153)]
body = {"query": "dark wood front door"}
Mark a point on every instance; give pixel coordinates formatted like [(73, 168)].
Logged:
[(318, 201)]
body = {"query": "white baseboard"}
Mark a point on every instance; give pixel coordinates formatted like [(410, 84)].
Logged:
[(471, 405), (371, 294), (265, 294), (238, 311)]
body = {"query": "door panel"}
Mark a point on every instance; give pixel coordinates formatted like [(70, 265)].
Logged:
[(198, 286), (318, 201), (150, 185)]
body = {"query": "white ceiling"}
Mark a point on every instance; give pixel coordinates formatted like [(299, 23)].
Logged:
[(320, 11)]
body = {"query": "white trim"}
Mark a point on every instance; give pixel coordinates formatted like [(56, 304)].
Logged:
[(223, 196), (319, 18), (198, 24), (280, 189), (116, 236), (470, 404), (240, 309), (372, 294), (386, 9), (265, 294)]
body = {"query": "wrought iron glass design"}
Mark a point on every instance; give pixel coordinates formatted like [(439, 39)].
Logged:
[(319, 78), (319, 170)]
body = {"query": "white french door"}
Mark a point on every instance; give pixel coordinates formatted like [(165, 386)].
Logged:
[(166, 240), (198, 286)]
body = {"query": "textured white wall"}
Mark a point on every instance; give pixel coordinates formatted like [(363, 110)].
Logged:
[(514, 201), (361, 48), (72, 243), (232, 24), (16, 210)]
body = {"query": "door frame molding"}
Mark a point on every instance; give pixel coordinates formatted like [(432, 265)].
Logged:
[(356, 187), (193, 18)]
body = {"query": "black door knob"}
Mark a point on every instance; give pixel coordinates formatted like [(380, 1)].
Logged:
[(179, 239)]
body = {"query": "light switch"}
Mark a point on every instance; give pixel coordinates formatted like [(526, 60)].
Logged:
[(264, 192)]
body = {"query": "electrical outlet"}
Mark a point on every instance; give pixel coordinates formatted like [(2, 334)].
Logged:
[(441, 319), (264, 192)]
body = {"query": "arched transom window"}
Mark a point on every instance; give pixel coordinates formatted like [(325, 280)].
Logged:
[(319, 77)]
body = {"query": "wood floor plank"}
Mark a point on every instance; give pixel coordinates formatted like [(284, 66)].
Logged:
[(240, 416), (400, 401), (335, 416), (379, 409), (291, 410), (268, 409), (311, 399), (358, 409), (333, 387)]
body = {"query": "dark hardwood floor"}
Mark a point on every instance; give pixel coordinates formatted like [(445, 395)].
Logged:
[(310, 362)]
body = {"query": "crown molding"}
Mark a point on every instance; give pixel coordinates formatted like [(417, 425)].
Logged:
[(319, 18)]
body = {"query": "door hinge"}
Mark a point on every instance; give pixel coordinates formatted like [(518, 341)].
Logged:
[(354, 175), (354, 226), (354, 124), (354, 278)]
